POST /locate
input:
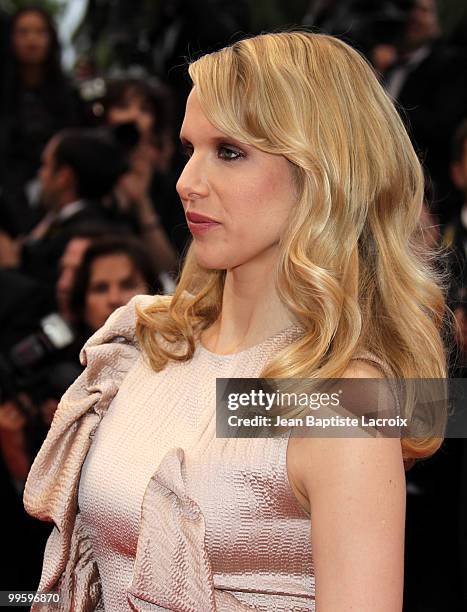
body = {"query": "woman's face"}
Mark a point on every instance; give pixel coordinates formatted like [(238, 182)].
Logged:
[(133, 108), (248, 193), (113, 281), (31, 39)]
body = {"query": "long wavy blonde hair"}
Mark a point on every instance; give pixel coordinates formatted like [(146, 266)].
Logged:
[(352, 267)]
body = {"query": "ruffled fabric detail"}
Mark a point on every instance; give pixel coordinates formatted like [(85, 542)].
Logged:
[(51, 488), (172, 568)]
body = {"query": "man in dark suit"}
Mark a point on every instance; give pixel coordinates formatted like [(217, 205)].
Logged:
[(427, 79), (78, 169)]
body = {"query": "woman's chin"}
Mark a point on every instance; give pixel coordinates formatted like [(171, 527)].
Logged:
[(210, 260), (210, 264)]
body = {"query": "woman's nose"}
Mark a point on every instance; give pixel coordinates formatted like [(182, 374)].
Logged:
[(193, 182), (115, 297)]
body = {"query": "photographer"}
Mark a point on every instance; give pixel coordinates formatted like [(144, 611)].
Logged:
[(146, 194), (23, 304)]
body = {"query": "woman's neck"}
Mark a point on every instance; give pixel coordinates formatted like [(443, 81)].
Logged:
[(251, 310)]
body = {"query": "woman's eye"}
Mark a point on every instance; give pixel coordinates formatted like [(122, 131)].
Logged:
[(229, 154), (99, 288), (129, 285), (224, 152)]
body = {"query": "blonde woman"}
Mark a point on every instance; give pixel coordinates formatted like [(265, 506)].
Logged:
[(303, 194)]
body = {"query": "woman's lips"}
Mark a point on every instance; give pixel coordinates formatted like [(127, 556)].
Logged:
[(199, 223), (197, 228)]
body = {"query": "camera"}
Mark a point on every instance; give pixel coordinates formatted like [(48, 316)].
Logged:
[(36, 365)]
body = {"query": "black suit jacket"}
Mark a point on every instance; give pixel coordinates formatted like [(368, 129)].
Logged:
[(433, 101), (40, 259)]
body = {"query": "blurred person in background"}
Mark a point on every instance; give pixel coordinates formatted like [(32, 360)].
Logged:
[(146, 104), (455, 237), (99, 273), (20, 571), (70, 262), (79, 167), (188, 27), (456, 232), (146, 194), (36, 101), (112, 271), (435, 487), (460, 312), (427, 78), (24, 302)]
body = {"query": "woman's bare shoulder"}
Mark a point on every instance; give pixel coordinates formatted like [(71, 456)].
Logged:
[(312, 461)]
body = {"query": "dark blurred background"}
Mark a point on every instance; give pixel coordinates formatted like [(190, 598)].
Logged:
[(92, 95)]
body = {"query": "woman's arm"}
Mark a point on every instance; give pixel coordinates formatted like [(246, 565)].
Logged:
[(355, 489), (133, 190), (155, 238)]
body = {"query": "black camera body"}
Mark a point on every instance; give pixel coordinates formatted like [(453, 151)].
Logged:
[(36, 365)]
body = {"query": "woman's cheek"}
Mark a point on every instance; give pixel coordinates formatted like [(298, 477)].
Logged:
[(95, 311)]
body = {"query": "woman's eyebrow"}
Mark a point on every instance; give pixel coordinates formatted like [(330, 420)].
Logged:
[(228, 139), (216, 140)]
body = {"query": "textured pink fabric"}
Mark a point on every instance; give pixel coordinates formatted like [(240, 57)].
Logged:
[(51, 488), (220, 528)]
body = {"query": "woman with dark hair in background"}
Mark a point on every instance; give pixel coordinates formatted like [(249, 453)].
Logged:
[(37, 101), (113, 270)]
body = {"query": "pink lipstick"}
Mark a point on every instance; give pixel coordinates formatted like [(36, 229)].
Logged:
[(198, 223)]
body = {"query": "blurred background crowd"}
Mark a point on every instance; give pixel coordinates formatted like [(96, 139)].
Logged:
[(92, 95)]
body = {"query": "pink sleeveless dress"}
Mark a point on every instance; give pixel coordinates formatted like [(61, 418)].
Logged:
[(152, 511)]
